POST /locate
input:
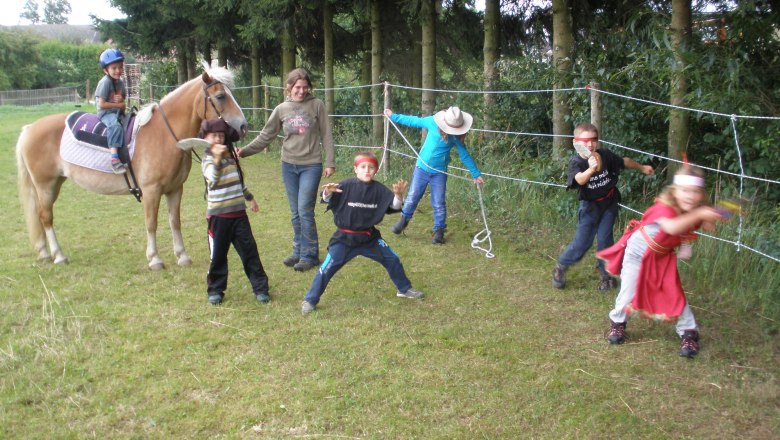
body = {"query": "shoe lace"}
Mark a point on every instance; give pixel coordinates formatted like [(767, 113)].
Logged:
[(617, 330), (690, 343)]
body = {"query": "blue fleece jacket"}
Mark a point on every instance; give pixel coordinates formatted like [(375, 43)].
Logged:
[(435, 151)]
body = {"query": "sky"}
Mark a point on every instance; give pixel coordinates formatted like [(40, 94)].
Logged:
[(80, 10)]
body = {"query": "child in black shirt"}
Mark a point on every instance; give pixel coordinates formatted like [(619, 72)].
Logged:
[(358, 204), (594, 172)]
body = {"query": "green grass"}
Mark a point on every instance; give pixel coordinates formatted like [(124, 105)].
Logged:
[(105, 348)]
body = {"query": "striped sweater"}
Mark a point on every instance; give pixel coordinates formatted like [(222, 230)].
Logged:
[(226, 193)]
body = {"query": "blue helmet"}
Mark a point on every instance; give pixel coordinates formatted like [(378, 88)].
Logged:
[(110, 56)]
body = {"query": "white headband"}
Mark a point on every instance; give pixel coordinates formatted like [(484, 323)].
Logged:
[(686, 180)]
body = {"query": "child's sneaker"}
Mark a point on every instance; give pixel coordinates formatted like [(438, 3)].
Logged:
[(307, 308), (400, 225), (411, 293), (617, 333), (263, 297), (607, 282), (215, 299), (118, 167), (689, 346), (291, 261), (303, 266), (438, 236), (559, 276)]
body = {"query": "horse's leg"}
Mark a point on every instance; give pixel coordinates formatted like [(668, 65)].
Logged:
[(151, 203), (46, 198), (174, 219)]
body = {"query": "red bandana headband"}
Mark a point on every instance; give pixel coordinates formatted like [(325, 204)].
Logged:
[(361, 159), (593, 139)]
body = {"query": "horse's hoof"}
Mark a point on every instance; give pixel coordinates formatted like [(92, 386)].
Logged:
[(159, 265), (61, 260), (184, 260), (44, 258)]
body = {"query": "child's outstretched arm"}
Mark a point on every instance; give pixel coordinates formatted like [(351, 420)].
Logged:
[(690, 221), (647, 170)]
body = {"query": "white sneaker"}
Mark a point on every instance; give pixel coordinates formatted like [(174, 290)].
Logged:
[(411, 293)]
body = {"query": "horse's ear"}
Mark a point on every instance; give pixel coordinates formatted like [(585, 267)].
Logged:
[(206, 78)]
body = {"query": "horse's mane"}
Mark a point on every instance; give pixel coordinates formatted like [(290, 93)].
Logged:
[(222, 75)]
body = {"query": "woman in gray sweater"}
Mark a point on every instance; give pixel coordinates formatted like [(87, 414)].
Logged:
[(307, 133)]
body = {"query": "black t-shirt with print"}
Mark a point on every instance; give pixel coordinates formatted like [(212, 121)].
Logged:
[(600, 183), (359, 207)]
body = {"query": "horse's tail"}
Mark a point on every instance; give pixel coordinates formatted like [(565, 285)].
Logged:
[(28, 195)]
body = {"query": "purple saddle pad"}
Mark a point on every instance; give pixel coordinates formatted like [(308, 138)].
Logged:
[(86, 127)]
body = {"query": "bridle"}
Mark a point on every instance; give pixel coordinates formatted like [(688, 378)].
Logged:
[(206, 100)]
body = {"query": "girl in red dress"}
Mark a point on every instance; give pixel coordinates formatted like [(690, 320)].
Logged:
[(646, 259)]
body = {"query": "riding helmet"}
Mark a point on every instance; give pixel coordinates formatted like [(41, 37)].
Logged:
[(110, 56)]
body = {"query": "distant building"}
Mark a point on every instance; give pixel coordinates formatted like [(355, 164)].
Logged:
[(62, 32)]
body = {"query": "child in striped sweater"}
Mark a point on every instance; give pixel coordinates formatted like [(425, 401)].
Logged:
[(226, 213)]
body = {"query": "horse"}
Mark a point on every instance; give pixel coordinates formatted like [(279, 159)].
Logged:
[(160, 167)]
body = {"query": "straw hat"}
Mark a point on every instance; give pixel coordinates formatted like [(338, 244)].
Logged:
[(453, 121)]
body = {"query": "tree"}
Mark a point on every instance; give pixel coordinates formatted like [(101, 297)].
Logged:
[(491, 53), (56, 11), (376, 70), (428, 27), (563, 51), (678, 119), (327, 25), (30, 12)]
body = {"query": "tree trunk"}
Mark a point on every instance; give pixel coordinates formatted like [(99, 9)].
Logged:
[(288, 49), (563, 52), (428, 27), (257, 77), (192, 56), (327, 26), (491, 54), (181, 63), (365, 68), (376, 73), (222, 56), (678, 119)]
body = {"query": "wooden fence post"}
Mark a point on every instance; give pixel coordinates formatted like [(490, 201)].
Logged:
[(86, 91), (387, 104), (595, 105)]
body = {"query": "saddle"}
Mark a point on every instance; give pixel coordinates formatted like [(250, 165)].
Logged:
[(87, 127), (84, 143)]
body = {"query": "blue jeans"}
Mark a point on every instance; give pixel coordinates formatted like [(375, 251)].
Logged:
[(340, 254), (420, 181), (302, 183), (593, 219), (114, 129)]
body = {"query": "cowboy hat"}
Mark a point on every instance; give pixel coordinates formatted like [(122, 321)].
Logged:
[(453, 121)]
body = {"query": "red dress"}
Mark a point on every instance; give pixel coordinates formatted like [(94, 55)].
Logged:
[(658, 293)]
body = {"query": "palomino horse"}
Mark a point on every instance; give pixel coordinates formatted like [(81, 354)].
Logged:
[(160, 167)]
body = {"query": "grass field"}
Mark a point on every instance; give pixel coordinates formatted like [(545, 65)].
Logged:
[(105, 348)]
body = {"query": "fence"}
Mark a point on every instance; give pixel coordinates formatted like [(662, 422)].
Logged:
[(39, 96)]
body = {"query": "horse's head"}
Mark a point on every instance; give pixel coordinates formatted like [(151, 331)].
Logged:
[(218, 101)]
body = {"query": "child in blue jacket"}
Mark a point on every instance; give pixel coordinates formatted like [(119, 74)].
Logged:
[(446, 129)]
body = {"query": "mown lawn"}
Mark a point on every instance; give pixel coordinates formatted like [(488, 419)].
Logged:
[(105, 348)]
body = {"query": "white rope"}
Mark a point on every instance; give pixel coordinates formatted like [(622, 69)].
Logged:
[(741, 178), (482, 235), (489, 92), (661, 104)]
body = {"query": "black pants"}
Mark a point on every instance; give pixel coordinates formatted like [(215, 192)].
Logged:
[(236, 231)]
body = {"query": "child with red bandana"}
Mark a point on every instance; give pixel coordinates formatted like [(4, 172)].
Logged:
[(359, 204), (594, 172)]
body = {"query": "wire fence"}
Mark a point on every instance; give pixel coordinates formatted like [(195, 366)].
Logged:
[(40, 96), (402, 96)]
